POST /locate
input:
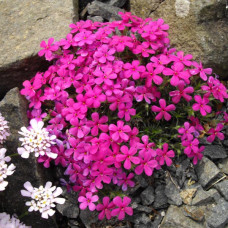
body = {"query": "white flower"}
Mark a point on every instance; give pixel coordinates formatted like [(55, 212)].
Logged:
[(4, 129), (5, 170), (36, 140), (43, 198), (10, 222)]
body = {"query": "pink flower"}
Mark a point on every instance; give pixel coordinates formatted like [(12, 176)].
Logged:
[(201, 105), (122, 207), (147, 164), (182, 92), (163, 110), (182, 59), (152, 75), (177, 73), (127, 156), (146, 146), (199, 70), (48, 48), (104, 54), (88, 201), (186, 131), (133, 70), (197, 155), (125, 111), (97, 123), (165, 155), (126, 181), (216, 132), (191, 146), (105, 208), (119, 131)]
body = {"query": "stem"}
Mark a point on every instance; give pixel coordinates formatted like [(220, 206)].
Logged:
[(23, 215), (13, 155)]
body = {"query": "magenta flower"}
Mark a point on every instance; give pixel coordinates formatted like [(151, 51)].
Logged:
[(186, 131), (133, 70), (127, 156), (125, 111), (163, 110), (147, 164), (190, 146), (84, 37), (104, 54), (216, 132), (122, 207), (126, 181), (177, 73), (119, 131), (152, 75), (146, 146), (105, 208), (197, 155), (165, 155), (143, 92), (88, 201), (182, 92), (182, 59), (201, 105), (97, 123), (199, 70), (48, 48)]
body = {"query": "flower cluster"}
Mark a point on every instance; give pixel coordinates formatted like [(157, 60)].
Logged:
[(36, 140), (5, 170), (115, 97), (43, 198), (4, 129), (8, 221)]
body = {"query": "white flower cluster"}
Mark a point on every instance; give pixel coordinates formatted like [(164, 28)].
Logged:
[(5, 170), (36, 140), (10, 222), (43, 198), (4, 129)]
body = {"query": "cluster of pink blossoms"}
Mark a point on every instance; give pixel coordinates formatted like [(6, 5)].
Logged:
[(103, 76)]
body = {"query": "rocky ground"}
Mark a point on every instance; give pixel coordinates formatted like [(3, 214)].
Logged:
[(183, 195)]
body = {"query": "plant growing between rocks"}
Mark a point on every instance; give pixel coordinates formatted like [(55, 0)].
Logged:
[(116, 101)]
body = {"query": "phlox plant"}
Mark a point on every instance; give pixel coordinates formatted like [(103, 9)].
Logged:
[(120, 102)]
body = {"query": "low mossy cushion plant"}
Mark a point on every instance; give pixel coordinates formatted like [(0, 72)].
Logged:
[(120, 102)]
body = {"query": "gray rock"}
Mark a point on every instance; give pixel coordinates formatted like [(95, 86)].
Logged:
[(202, 31), (117, 3), (14, 108), (147, 196), (95, 18), (142, 181), (172, 193), (23, 25), (161, 200), (141, 218), (88, 217), (106, 11), (203, 197), (68, 209), (222, 187), (143, 208), (218, 216), (175, 218), (215, 152), (206, 171), (224, 167)]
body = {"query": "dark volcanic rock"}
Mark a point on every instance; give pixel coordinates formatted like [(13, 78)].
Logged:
[(106, 11), (147, 196), (222, 187)]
